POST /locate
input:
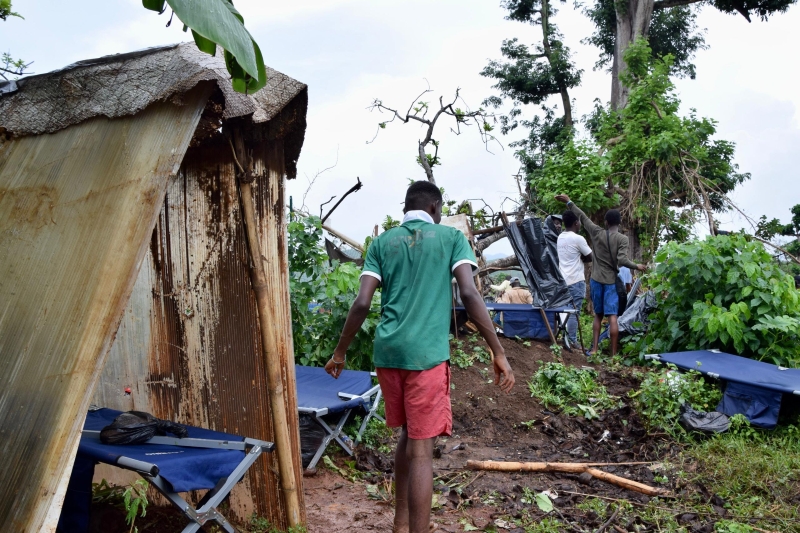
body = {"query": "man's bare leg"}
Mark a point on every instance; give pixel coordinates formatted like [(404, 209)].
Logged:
[(420, 484), (613, 329), (598, 320), (413, 478), (401, 484)]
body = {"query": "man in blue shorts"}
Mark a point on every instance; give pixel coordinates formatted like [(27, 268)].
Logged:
[(610, 249), (414, 263)]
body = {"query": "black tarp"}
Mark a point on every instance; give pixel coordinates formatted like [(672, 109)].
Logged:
[(534, 244)]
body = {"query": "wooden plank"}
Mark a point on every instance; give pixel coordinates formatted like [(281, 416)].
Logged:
[(77, 208)]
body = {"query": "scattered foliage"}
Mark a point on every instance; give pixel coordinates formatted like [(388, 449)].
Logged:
[(575, 391), (664, 390), (465, 358)]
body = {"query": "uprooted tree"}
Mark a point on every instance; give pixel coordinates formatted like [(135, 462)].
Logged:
[(422, 113)]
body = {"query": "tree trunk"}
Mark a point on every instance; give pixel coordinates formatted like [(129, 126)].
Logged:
[(483, 244), (505, 262), (633, 20), (562, 88), (423, 161)]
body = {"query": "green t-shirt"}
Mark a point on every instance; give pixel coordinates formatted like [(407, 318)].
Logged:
[(414, 263)]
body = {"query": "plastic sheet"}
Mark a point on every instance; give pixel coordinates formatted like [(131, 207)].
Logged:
[(311, 437), (534, 244), (694, 420), (135, 427)]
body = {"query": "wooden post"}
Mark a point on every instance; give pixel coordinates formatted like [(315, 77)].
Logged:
[(283, 445)]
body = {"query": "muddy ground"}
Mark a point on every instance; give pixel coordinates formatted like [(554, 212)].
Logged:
[(514, 427), (488, 425)]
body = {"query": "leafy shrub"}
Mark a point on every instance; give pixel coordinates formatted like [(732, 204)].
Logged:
[(330, 291), (466, 358), (727, 293), (663, 391), (575, 391)]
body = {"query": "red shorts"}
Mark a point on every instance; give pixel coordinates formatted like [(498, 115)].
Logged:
[(418, 399)]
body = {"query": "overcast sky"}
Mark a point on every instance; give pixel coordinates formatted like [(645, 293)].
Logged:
[(350, 52)]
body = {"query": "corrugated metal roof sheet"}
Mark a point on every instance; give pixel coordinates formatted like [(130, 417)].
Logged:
[(77, 208)]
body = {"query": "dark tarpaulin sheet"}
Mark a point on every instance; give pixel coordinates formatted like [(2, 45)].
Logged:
[(534, 245)]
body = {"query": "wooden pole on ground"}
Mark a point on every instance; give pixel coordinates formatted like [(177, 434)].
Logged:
[(283, 446), (571, 468)]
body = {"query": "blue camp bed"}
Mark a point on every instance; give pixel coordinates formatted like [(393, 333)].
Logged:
[(752, 388), (319, 395), (525, 321), (205, 460)]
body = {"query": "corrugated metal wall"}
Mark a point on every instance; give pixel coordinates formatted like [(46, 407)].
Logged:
[(76, 209), (189, 345)]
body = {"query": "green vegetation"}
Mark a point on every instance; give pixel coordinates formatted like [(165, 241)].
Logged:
[(259, 524), (133, 499), (756, 473), (331, 291), (575, 391), (465, 358), (724, 292), (664, 390), (217, 22)]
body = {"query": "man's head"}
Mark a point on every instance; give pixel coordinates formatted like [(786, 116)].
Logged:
[(515, 282), (613, 218), (571, 222), (424, 196)]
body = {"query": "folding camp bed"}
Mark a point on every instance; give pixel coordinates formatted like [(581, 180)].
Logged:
[(319, 395), (205, 460), (752, 388), (527, 322)]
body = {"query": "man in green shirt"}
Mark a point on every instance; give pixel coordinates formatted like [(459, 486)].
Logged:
[(610, 250), (413, 263)]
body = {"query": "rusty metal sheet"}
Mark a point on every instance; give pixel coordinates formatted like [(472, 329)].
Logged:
[(77, 208), (189, 346)]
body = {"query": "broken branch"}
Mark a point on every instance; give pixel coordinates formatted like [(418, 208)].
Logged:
[(573, 468), (354, 188)]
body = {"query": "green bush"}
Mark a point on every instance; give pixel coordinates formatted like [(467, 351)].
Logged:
[(727, 293), (575, 391), (312, 281), (663, 391)]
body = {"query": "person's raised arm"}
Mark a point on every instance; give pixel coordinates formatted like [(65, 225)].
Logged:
[(590, 226), (355, 318), (476, 309)]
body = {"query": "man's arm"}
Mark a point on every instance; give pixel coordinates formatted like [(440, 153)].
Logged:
[(590, 226), (622, 256), (586, 252), (355, 318), (476, 309)]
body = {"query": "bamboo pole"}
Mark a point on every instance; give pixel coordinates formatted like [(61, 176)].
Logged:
[(571, 468), (283, 446)]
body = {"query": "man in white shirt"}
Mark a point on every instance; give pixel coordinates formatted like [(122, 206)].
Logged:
[(573, 252), (626, 276)]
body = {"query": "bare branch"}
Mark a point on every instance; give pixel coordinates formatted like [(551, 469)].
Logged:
[(354, 188), (314, 179)]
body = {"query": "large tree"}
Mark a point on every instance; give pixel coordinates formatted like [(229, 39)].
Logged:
[(668, 25)]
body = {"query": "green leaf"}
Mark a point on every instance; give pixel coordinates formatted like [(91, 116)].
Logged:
[(154, 5), (214, 20), (543, 502), (204, 45)]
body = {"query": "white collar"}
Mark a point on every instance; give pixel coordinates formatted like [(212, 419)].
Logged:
[(418, 214)]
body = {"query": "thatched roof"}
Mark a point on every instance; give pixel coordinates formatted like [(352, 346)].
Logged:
[(124, 84)]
